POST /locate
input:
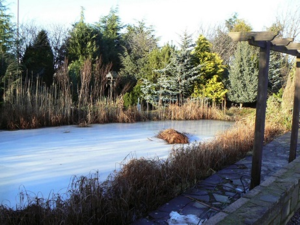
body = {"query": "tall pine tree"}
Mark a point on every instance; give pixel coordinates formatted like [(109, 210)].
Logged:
[(38, 58), (139, 42), (275, 76), (6, 40), (6, 30), (111, 44), (243, 75), (181, 73)]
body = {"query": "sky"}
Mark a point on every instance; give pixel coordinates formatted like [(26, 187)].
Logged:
[(169, 18)]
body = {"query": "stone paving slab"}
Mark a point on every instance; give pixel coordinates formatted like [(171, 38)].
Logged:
[(226, 186)]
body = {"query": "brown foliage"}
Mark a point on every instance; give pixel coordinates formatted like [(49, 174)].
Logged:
[(173, 137)]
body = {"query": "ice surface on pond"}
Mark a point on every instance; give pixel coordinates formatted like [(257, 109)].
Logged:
[(44, 160)]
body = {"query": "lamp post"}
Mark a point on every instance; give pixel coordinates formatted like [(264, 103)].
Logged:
[(18, 19), (18, 10)]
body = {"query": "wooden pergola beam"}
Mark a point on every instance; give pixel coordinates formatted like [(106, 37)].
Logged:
[(282, 41), (292, 50), (257, 36), (283, 49), (293, 46)]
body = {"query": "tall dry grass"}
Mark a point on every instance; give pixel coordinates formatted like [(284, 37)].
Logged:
[(194, 110), (30, 104)]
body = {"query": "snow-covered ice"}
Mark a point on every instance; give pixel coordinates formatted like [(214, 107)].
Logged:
[(44, 160)]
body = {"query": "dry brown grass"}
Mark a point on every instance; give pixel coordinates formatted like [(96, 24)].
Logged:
[(194, 110), (172, 136)]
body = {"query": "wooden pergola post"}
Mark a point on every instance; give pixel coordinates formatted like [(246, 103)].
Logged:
[(295, 123), (261, 105)]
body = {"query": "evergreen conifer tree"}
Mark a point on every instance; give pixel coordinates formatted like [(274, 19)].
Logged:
[(38, 58), (275, 73), (212, 64), (139, 42), (82, 44), (6, 30), (181, 73), (148, 92), (6, 39), (243, 75), (210, 84), (110, 29)]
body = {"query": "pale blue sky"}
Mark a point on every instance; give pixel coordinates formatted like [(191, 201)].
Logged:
[(170, 18)]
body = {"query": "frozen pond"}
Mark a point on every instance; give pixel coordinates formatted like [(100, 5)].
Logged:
[(42, 161)]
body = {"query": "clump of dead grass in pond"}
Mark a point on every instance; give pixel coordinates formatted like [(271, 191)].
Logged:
[(172, 136)]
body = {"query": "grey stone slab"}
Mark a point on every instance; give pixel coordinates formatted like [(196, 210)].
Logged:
[(204, 198), (196, 191), (255, 191), (235, 205), (251, 213), (237, 181), (159, 215), (268, 197), (232, 194), (214, 179), (215, 219), (268, 181), (176, 204), (221, 198), (199, 205), (194, 209)]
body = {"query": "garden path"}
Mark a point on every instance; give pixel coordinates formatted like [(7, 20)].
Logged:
[(224, 187)]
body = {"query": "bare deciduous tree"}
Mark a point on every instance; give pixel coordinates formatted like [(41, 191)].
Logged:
[(58, 35), (288, 17), (28, 33), (222, 44)]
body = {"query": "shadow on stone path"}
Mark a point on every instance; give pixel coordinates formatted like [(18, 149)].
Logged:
[(224, 187)]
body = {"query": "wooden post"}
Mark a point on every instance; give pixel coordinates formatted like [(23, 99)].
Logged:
[(295, 123), (262, 92)]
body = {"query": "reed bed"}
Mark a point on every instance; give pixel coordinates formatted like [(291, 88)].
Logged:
[(194, 110), (29, 104)]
